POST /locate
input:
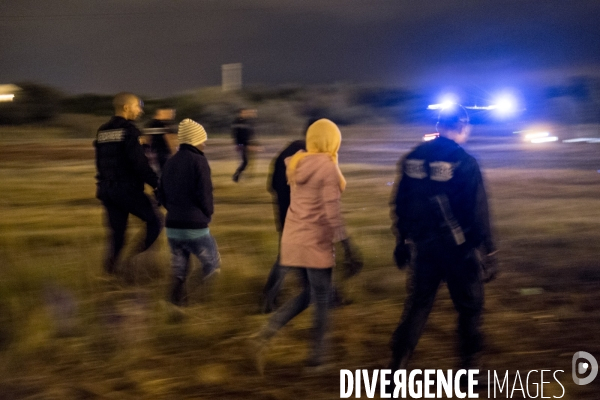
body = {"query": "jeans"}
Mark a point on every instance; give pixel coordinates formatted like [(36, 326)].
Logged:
[(273, 286), (461, 271), (120, 201), (275, 282), (316, 284), (205, 248)]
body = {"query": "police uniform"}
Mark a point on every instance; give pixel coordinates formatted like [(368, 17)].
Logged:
[(441, 207), (123, 170)]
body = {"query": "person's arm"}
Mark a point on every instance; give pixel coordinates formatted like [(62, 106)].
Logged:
[(398, 206), (481, 216), (137, 158), (482, 227), (332, 203), (160, 194), (204, 188)]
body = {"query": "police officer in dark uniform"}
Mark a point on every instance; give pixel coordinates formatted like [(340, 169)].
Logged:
[(441, 216), (122, 171)]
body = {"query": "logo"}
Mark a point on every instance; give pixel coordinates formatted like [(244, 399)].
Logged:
[(582, 363)]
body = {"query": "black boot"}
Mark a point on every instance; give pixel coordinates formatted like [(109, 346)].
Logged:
[(178, 293)]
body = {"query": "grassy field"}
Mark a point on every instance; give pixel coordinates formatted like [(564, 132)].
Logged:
[(68, 333)]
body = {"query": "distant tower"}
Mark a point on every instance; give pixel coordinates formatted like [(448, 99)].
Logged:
[(231, 77)]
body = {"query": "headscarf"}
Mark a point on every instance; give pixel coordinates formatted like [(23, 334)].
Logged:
[(323, 136)]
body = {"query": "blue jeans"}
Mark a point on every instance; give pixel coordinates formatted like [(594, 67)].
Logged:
[(316, 284), (275, 282), (205, 248)]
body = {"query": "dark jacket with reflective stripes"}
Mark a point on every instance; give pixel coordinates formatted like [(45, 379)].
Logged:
[(120, 157), (186, 189), (440, 200)]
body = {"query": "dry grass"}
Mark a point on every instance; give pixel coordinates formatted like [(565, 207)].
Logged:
[(66, 333)]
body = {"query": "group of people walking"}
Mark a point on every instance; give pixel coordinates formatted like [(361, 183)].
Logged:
[(440, 212)]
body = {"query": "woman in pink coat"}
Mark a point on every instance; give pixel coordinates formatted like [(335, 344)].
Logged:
[(312, 225)]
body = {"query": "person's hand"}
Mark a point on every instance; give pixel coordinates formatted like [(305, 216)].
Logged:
[(402, 255), (353, 262), (489, 265)]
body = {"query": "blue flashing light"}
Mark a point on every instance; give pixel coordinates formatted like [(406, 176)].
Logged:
[(440, 106), (505, 105)]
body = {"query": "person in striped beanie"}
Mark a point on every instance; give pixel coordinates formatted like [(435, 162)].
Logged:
[(186, 192)]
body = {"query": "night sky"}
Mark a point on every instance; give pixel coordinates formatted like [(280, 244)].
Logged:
[(159, 48)]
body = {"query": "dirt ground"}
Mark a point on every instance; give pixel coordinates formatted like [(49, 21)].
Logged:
[(68, 333)]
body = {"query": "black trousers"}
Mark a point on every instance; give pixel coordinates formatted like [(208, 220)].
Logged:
[(243, 149), (120, 201), (461, 271)]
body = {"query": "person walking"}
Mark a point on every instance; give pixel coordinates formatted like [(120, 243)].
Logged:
[(243, 134), (280, 190), (186, 191), (441, 215), (159, 132), (123, 170), (313, 224)]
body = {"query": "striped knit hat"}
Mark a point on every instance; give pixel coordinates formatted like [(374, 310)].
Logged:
[(191, 132)]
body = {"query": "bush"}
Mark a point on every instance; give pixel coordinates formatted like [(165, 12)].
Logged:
[(96, 104), (33, 103)]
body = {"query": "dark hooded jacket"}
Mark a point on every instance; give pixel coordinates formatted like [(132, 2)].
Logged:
[(186, 189)]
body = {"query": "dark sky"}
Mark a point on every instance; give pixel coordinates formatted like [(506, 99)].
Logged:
[(159, 47)]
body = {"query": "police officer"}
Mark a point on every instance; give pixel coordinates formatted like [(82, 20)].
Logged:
[(441, 212), (122, 171)]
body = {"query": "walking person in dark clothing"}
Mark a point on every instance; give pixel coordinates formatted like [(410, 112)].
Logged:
[(159, 131), (313, 224), (123, 170), (280, 190), (243, 134), (187, 193), (441, 211)]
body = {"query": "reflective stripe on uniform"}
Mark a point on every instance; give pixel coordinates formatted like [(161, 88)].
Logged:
[(441, 171), (114, 135), (415, 169)]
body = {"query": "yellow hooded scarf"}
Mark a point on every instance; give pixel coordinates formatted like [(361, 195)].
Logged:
[(323, 136)]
